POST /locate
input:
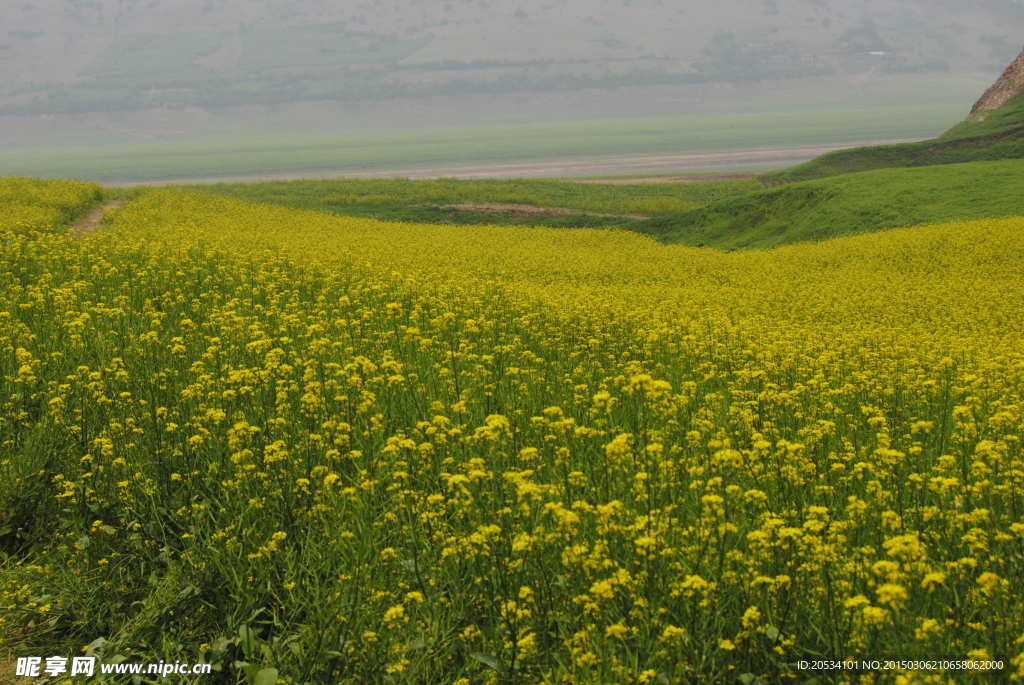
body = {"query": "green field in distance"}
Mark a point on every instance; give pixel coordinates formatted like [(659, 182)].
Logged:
[(441, 151)]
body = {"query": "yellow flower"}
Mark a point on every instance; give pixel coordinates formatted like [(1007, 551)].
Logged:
[(523, 542), (989, 582), (854, 602), (616, 630), (672, 633), (395, 613), (927, 629), (874, 616), (892, 594), (397, 667), (932, 579)]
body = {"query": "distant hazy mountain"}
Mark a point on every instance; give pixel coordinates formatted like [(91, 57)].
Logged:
[(81, 56)]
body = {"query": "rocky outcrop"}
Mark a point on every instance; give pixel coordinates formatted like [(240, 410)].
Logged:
[(1009, 85)]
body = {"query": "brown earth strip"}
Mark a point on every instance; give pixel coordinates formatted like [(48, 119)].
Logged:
[(690, 178), (528, 211), (94, 219), (8, 677)]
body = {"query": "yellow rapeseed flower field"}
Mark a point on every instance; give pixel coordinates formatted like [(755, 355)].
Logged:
[(34, 205), (363, 452)]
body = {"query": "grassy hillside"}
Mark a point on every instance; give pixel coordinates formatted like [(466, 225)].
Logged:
[(851, 203), (999, 136), (447, 200), (316, 449)]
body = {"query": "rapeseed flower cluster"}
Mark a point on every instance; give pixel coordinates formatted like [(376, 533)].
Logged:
[(32, 205), (359, 451)]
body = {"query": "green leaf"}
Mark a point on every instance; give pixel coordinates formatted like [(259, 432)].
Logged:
[(750, 679), (96, 647), (487, 660), (266, 676), (220, 645), (247, 637)]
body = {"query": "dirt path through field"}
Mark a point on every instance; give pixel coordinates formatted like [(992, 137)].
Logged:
[(529, 211), (8, 675), (94, 219), (690, 178)]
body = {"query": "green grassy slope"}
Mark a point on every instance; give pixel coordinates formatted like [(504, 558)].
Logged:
[(430, 201), (852, 203), (999, 136)]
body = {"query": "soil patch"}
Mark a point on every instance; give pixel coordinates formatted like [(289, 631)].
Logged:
[(94, 219), (528, 211), (691, 178), (8, 677)]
